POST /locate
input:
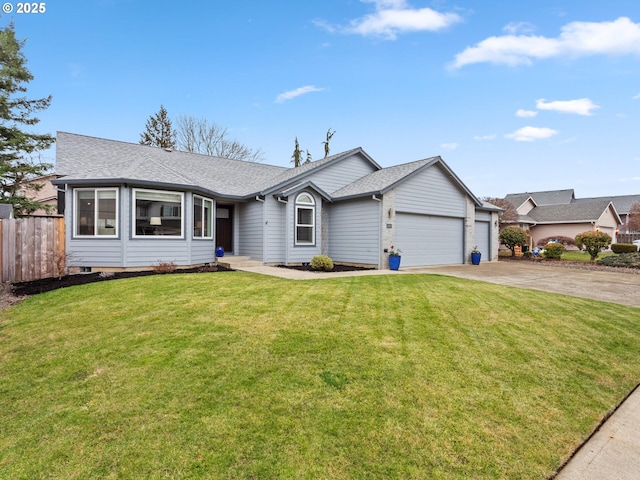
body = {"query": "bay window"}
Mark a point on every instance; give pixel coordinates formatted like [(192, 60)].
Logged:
[(158, 213)]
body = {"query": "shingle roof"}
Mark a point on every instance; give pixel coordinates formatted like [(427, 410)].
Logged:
[(293, 173), (82, 159), (79, 157), (549, 197), (622, 203), (380, 180), (569, 213)]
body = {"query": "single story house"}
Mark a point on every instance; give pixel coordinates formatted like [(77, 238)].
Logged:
[(558, 213), (131, 206)]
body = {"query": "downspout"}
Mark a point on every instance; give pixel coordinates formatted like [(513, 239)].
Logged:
[(379, 200), (264, 228), (287, 224)]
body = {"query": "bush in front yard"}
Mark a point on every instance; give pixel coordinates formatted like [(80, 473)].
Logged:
[(322, 262), (553, 250), (593, 242), (624, 248), (627, 260), (512, 237)]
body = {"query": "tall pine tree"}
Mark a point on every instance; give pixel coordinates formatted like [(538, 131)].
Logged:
[(158, 131), (19, 159)]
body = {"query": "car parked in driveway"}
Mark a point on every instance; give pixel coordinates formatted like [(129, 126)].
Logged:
[(637, 244)]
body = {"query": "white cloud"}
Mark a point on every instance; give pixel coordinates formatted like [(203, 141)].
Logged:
[(485, 138), (297, 92), (581, 106), (393, 17), (529, 134), (449, 146), (518, 27), (636, 97), (526, 113), (576, 39)]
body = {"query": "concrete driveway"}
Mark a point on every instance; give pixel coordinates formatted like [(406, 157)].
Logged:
[(616, 287)]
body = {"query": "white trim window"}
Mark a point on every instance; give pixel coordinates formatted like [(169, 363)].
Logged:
[(157, 214), (202, 217), (95, 212), (305, 207)]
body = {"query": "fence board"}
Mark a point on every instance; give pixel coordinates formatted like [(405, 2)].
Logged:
[(31, 248)]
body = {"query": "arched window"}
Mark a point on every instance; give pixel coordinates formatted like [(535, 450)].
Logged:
[(305, 219)]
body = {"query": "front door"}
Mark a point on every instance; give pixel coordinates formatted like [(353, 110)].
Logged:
[(224, 227)]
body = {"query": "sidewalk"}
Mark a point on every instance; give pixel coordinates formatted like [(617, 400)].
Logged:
[(613, 451)]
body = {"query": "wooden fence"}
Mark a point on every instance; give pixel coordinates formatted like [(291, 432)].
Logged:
[(628, 237), (31, 248)]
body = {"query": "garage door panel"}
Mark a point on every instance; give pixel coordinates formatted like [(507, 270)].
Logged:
[(429, 239), (482, 236)]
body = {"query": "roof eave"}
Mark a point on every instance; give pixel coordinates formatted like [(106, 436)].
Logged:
[(111, 182)]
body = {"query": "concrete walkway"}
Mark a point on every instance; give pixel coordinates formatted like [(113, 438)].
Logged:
[(613, 451)]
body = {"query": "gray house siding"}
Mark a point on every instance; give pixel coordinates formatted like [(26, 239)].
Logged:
[(342, 173), (354, 231), (275, 226), (250, 229), (431, 192)]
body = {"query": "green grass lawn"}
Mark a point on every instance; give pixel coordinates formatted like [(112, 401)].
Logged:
[(574, 256), (234, 375)]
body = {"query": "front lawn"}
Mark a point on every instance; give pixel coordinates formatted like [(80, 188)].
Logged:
[(238, 375), (580, 256)]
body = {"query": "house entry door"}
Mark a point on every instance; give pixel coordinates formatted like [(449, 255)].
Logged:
[(224, 227)]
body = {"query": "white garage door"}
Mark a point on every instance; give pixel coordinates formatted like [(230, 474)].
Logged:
[(483, 241), (429, 240)]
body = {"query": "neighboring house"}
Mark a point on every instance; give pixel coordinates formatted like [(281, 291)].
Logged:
[(47, 194), (623, 204), (559, 213), (132, 206)]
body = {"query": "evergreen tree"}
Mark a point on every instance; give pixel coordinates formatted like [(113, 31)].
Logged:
[(158, 131), (19, 159)]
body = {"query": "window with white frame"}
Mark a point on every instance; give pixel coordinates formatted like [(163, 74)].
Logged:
[(202, 217), (158, 213), (305, 207), (96, 212)]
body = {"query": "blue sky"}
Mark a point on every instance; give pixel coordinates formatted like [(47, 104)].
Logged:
[(515, 96)]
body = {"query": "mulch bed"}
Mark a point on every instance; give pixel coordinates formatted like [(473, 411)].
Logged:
[(25, 289), (336, 268)]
